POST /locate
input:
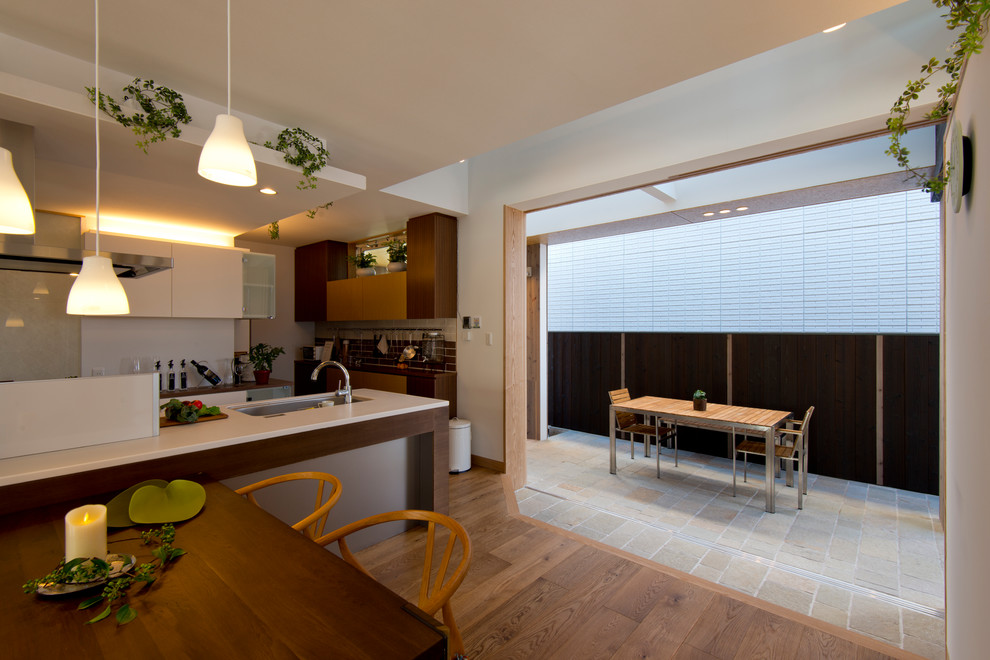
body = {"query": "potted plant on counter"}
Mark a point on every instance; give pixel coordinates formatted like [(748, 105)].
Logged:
[(700, 400), (364, 263), (262, 356), (396, 256)]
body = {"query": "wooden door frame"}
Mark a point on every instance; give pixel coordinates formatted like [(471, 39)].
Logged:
[(514, 332)]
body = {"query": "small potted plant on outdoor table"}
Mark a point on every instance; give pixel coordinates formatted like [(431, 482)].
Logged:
[(700, 400), (364, 263), (262, 356), (396, 256)]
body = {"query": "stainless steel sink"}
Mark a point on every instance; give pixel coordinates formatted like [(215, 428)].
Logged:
[(293, 404)]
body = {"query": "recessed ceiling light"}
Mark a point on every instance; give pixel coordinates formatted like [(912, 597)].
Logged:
[(709, 214), (742, 208), (725, 211), (834, 28), (267, 191)]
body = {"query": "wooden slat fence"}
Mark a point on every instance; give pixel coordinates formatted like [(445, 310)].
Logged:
[(835, 373)]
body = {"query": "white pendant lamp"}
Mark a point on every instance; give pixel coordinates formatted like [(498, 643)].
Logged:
[(226, 157), (97, 291), (16, 214)]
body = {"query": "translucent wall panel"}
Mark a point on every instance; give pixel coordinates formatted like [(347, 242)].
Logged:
[(868, 265)]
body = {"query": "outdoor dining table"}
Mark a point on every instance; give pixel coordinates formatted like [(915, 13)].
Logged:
[(717, 416)]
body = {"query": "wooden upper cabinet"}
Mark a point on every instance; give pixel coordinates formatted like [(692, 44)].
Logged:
[(384, 297), (315, 265), (431, 288), (375, 298)]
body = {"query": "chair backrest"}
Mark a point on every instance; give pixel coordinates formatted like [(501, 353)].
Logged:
[(313, 524), (622, 419), (436, 586), (804, 426)]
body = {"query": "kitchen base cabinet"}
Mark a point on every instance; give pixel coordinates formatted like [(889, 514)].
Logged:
[(266, 393)]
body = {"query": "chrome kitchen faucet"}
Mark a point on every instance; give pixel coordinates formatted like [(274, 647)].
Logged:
[(344, 391)]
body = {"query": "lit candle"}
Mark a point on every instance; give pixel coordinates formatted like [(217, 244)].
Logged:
[(86, 532)]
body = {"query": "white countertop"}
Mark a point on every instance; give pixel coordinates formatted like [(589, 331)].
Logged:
[(238, 428)]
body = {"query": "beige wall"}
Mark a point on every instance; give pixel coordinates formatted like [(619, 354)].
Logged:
[(967, 363)]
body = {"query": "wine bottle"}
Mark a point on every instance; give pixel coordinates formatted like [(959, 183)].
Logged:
[(206, 373)]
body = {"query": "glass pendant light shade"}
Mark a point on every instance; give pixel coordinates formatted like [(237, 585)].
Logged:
[(16, 214), (97, 291), (226, 157)]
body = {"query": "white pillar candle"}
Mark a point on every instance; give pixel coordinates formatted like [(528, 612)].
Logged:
[(86, 532)]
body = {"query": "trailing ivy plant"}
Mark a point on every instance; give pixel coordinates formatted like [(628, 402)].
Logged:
[(302, 150), (312, 212), (95, 569), (162, 111), (971, 16), (273, 230)]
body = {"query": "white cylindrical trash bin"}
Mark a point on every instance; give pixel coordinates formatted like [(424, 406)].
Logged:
[(460, 445)]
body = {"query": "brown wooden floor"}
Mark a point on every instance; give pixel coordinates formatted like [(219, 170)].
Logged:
[(535, 591)]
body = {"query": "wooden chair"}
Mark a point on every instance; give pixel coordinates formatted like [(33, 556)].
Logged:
[(790, 444), (436, 590), (631, 423), (313, 524)]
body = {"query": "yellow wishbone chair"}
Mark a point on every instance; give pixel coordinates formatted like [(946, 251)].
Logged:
[(436, 590), (313, 524)]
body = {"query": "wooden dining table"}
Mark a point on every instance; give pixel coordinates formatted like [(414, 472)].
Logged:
[(248, 587), (719, 417)]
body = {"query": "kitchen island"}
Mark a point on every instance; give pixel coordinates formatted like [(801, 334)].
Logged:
[(239, 445)]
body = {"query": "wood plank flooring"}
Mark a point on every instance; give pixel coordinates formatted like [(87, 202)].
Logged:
[(536, 591)]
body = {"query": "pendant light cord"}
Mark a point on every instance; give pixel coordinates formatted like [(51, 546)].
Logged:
[(228, 57), (96, 115)]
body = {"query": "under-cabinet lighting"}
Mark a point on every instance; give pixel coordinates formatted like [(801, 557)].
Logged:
[(834, 28), (742, 208), (267, 191), (725, 211), (709, 214)]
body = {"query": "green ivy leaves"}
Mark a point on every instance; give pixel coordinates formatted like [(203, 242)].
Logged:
[(972, 16), (162, 111), (303, 150)]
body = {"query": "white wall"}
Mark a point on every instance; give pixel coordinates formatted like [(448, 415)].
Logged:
[(680, 129), (282, 330), (967, 363)]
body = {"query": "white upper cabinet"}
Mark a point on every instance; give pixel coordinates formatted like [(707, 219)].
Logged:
[(150, 295), (206, 282), (259, 285)]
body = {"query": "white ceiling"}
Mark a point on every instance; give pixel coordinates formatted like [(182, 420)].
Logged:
[(397, 88)]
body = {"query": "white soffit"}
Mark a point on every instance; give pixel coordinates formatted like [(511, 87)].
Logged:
[(846, 162), (446, 188)]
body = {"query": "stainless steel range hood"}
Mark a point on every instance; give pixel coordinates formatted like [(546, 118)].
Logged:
[(15, 255)]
